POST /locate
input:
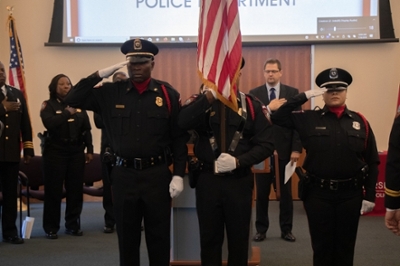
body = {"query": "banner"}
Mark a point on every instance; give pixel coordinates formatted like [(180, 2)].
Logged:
[(219, 48)]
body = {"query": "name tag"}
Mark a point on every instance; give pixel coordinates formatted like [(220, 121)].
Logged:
[(320, 127), (58, 112), (71, 120), (120, 106)]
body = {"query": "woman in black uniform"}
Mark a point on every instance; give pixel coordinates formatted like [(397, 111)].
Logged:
[(68, 133)]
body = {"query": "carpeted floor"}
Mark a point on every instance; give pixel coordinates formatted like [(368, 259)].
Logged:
[(375, 244)]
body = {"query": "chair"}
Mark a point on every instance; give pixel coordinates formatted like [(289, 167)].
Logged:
[(93, 173)]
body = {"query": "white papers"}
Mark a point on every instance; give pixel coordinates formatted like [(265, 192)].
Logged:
[(289, 170), (27, 227)]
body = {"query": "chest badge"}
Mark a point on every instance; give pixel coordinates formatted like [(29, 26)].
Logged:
[(159, 101), (356, 125)]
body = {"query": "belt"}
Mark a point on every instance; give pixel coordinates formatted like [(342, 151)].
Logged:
[(209, 167), (140, 163), (336, 184), (67, 141)]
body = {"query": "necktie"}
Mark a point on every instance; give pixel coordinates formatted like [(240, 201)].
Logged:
[(272, 94)]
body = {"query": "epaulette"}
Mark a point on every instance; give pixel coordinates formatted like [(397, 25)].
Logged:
[(161, 82)]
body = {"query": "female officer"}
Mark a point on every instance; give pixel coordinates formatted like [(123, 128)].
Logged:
[(68, 133), (341, 163)]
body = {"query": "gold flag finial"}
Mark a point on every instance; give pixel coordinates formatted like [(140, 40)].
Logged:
[(10, 9)]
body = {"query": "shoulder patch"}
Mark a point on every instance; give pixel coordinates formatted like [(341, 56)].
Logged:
[(44, 104), (191, 99), (265, 112)]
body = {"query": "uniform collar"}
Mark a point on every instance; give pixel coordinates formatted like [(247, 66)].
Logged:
[(326, 110)]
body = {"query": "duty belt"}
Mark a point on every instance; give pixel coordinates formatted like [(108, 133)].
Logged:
[(140, 163), (336, 184)]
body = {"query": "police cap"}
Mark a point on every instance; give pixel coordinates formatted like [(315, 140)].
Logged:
[(334, 79), (139, 51)]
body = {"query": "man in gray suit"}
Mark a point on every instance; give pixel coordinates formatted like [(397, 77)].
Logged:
[(288, 146)]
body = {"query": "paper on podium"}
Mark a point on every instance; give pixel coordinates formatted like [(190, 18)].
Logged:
[(289, 170)]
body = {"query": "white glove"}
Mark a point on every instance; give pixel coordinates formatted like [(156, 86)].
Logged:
[(176, 186), (366, 206), (315, 92), (108, 71), (225, 163)]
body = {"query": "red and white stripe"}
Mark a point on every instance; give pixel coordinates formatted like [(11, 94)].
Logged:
[(219, 53)]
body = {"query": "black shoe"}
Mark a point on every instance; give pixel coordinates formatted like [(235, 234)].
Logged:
[(288, 236), (259, 237), (76, 232), (108, 229), (13, 240), (51, 235)]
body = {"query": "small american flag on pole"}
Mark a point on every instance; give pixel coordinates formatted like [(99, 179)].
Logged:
[(16, 73), (219, 53)]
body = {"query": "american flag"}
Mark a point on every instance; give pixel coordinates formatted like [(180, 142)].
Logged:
[(219, 53), (16, 75)]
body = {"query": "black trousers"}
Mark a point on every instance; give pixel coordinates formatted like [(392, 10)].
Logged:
[(263, 186), (333, 218), (62, 168), (142, 194), (109, 219), (224, 203), (9, 184)]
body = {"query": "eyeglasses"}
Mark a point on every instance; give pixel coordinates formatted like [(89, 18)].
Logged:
[(271, 71)]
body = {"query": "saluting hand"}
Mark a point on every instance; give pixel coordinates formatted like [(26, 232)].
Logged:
[(10, 106)]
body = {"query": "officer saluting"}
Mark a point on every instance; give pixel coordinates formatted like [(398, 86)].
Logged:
[(140, 118), (341, 161)]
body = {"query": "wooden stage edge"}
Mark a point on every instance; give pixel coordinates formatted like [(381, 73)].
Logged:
[(254, 260)]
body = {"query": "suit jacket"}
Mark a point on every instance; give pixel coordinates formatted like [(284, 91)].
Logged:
[(285, 140), (17, 125)]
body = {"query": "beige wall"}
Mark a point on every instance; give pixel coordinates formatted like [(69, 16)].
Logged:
[(375, 67)]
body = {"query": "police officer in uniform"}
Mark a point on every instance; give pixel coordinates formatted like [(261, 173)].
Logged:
[(68, 134), (224, 193), (342, 161), (392, 182), (140, 118), (16, 125)]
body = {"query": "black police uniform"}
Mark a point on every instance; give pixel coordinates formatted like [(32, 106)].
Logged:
[(145, 137), (64, 163), (17, 125), (109, 220), (225, 200), (392, 176), (338, 149)]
